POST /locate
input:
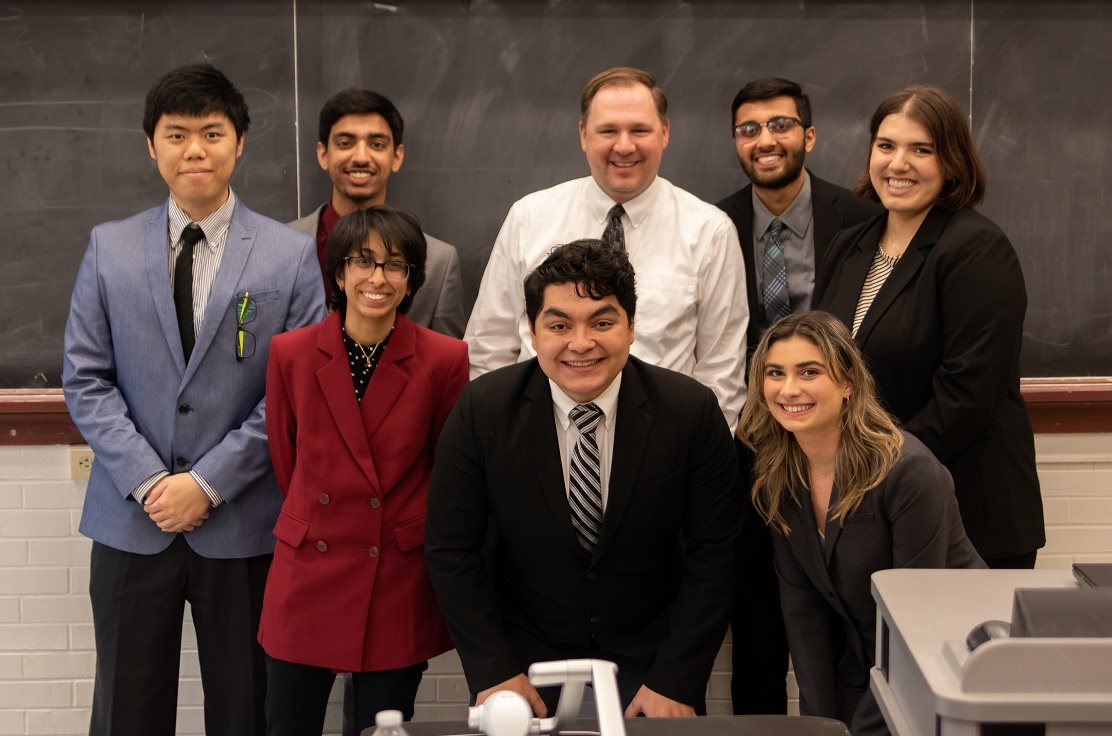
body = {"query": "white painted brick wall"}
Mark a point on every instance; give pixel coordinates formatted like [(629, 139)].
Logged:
[(47, 654)]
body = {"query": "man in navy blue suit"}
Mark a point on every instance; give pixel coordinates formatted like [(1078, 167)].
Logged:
[(164, 374)]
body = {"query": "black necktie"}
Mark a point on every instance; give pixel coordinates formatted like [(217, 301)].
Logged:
[(613, 234), (183, 286), (585, 478)]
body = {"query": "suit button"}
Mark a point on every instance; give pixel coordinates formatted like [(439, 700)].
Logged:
[(374, 502), (324, 498), (179, 461), (595, 619), (322, 546), (373, 551), (184, 409), (591, 576)]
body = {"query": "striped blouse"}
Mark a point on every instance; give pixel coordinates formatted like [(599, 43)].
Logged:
[(879, 272)]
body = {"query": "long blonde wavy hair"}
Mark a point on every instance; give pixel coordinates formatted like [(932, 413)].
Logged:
[(870, 438)]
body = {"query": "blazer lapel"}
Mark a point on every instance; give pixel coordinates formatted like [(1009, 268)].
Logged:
[(828, 220), (833, 530), (853, 272), (906, 269), (155, 252), (538, 423), (389, 380), (630, 439), (805, 540), (334, 378), (750, 258), (237, 249)]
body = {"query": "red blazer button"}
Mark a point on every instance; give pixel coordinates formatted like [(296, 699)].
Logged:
[(322, 546)]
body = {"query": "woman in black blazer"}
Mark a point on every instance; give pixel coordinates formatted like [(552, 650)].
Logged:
[(847, 493), (935, 297)]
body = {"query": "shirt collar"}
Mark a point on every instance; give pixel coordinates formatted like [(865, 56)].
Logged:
[(637, 209), (607, 401), (215, 225), (797, 217), (328, 218)]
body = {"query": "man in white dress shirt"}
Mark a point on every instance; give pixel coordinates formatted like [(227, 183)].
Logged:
[(690, 277)]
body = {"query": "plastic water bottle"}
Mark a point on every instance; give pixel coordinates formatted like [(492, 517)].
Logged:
[(389, 723)]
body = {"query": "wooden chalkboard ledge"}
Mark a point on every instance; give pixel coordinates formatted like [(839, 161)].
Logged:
[(36, 417), (39, 417), (1069, 404)]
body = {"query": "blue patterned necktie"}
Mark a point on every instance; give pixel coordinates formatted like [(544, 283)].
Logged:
[(775, 272), (585, 478)]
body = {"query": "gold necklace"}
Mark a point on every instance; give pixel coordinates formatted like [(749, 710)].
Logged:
[(889, 249), (369, 357)]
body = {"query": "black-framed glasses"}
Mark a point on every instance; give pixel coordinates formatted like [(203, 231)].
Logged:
[(393, 269), (245, 314), (778, 127)]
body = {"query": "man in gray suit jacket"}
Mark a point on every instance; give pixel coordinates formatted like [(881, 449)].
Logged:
[(359, 145), (164, 374), (773, 133)]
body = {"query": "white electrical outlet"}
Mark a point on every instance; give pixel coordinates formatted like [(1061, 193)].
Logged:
[(81, 462)]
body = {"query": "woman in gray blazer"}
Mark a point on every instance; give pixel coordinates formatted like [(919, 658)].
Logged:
[(847, 493)]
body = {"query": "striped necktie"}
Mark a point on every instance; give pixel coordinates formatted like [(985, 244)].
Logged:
[(584, 477), (775, 272)]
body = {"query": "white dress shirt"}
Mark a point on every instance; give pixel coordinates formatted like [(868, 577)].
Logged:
[(567, 432), (692, 311)]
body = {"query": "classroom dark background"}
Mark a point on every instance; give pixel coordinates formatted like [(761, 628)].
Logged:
[(490, 92)]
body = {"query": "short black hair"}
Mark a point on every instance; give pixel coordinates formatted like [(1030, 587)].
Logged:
[(397, 228), (359, 102), (597, 269), (195, 90), (766, 89)]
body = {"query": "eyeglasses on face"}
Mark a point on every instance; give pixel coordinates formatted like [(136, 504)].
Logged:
[(393, 269), (778, 127)]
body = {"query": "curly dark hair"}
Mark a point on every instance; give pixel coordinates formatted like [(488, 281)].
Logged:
[(596, 268)]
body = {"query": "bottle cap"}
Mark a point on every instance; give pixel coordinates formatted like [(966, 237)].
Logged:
[(388, 718)]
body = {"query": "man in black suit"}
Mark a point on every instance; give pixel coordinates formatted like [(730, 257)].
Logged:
[(614, 541), (785, 220)]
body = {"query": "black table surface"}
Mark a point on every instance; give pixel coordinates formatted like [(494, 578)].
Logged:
[(704, 726)]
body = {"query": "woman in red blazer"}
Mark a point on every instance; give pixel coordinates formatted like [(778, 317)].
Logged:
[(935, 297), (354, 407)]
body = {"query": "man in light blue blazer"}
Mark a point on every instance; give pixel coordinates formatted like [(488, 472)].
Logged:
[(164, 374)]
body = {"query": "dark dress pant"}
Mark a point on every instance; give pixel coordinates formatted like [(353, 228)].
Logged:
[(1025, 561), (297, 696), (760, 646), (138, 603)]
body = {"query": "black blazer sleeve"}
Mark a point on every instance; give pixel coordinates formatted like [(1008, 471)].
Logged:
[(712, 514), (811, 631), (456, 530)]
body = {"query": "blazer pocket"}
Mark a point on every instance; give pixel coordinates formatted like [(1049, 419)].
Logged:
[(290, 529), (861, 517), (410, 534), (260, 295)]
